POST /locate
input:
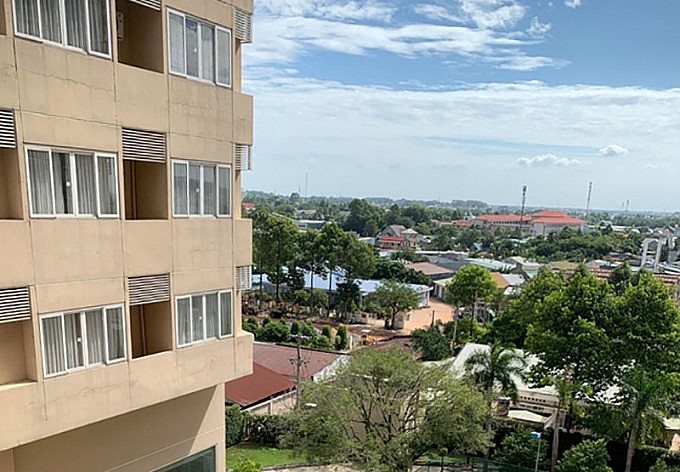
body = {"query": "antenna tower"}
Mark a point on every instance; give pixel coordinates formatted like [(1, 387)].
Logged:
[(521, 214), (590, 192)]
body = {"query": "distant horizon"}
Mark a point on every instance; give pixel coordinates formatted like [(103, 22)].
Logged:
[(491, 205)]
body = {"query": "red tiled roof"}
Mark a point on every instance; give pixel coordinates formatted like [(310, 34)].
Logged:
[(549, 214), (278, 358), (499, 218), (463, 223), (248, 205), (498, 279), (563, 220), (669, 280), (262, 384)]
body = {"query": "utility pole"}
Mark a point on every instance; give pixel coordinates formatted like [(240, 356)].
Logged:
[(521, 214), (298, 361)]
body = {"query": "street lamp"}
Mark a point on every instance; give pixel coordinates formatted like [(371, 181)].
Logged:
[(537, 435)]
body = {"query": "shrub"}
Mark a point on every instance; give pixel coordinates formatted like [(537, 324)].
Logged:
[(519, 448), (587, 455), (268, 430), (233, 418), (341, 338), (246, 465)]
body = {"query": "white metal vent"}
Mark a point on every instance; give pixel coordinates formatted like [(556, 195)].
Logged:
[(7, 129), (143, 145), (243, 25), (243, 157), (14, 305), (155, 4), (244, 277), (149, 289)]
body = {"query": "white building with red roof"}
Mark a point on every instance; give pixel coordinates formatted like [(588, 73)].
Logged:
[(540, 223)]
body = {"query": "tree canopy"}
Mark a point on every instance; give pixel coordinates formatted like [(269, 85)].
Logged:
[(391, 298)]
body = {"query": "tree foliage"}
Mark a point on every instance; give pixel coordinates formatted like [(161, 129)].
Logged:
[(519, 448), (588, 456), (391, 298), (383, 410), (469, 284), (494, 371), (431, 343)]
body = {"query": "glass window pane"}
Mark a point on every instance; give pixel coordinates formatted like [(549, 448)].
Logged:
[(53, 345), (225, 314), (51, 20), (73, 332), (176, 32), (87, 198), (94, 326), (207, 52), (27, 17), (194, 189), (192, 47), (224, 190), (179, 189), (209, 191), (40, 182), (183, 321), (223, 57), (108, 187), (76, 26), (63, 187), (115, 333), (197, 317), (211, 315), (200, 462), (99, 26)]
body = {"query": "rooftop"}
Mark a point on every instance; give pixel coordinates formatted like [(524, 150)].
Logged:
[(428, 268), (262, 384), (279, 359)]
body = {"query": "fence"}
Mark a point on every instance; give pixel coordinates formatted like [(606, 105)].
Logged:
[(470, 464)]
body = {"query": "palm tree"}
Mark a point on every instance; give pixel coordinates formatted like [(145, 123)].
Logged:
[(645, 399), (495, 370)]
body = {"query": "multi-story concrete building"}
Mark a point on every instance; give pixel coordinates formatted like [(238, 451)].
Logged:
[(123, 135)]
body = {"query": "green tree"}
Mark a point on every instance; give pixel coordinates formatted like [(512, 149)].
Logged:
[(383, 410), (644, 401), (431, 343), (274, 332), (391, 298), (312, 259), (519, 448), (251, 324), (588, 456), (233, 419), (386, 269), (662, 466), (274, 246), (469, 285), (363, 218), (621, 278), (341, 342), (330, 244), (494, 371)]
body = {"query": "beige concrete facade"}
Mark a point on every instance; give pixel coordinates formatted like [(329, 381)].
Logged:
[(161, 402)]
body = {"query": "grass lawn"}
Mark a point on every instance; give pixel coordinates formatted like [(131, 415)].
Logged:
[(263, 455)]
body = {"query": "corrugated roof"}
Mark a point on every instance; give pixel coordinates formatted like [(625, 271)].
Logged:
[(278, 358), (257, 387), (498, 279), (549, 214)]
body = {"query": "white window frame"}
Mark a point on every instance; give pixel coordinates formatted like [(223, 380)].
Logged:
[(86, 363), (76, 213), (201, 214), (205, 338), (215, 28), (64, 41)]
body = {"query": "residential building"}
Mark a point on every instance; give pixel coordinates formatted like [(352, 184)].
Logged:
[(123, 136), (262, 392), (540, 223), (434, 271), (398, 237)]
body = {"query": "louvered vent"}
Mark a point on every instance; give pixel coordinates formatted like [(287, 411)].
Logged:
[(243, 26), (155, 4), (143, 145), (14, 305), (243, 157), (149, 289), (244, 277), (7, 129)]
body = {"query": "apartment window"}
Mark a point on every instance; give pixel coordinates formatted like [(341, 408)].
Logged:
[(76, 183), (204, 461), (77, 24), (198, 49), (203, 316), (201, 189), (79, 339)]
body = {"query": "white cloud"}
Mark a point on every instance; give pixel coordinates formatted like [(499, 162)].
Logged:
[(538, 29), (573, 3), (548, 160), (652, 166), (613, 150), (344, 10), (493, 14)]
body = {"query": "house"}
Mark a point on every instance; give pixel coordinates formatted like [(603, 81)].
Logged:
[(398, 237), (540, 223), (390, 243), (316, 364), (264, 391), (304, 225), (434, 271), (524, 266)]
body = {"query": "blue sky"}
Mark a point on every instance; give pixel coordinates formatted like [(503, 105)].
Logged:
[(468, 99)]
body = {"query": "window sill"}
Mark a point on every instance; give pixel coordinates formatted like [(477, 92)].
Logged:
[(47, 42)]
